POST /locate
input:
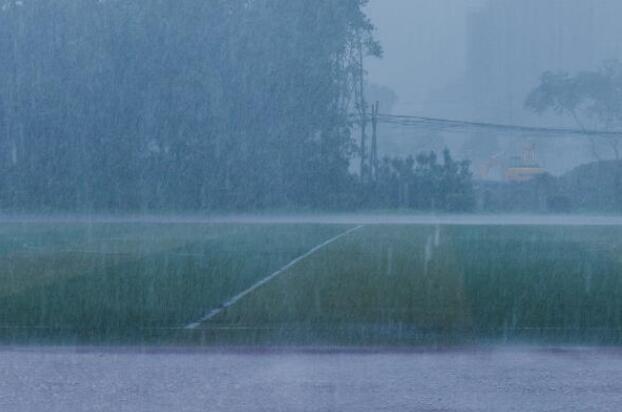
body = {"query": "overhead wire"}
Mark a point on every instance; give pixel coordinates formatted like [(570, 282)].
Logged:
[(449, 125)]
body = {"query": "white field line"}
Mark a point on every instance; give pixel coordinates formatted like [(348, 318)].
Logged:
[(211, 314)]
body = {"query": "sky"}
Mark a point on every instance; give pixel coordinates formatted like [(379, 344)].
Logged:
[(424, 47), (478, 60)]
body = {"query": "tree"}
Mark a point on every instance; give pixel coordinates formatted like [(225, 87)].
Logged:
[(423, 183), (178, 104), (594, 96), (383, 95)]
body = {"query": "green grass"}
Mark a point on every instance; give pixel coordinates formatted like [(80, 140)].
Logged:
[(383, 284), (480, 282), (119, 282)]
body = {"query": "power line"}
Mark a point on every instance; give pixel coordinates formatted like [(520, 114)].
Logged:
[(430, 123)]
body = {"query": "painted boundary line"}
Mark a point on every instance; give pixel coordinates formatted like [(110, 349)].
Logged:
[(211, 314)]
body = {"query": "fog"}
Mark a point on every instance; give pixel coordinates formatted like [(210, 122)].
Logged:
[(330, 205), (425, 51), (478, 61)]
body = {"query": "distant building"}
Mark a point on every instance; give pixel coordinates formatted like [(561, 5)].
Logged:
[(516, 168), (525, 167)]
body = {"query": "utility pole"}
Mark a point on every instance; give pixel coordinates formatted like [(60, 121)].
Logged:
[(373, 158), (362, 111), (363, 144)]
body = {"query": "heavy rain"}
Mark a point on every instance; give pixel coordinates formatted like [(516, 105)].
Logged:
[(310, 205)]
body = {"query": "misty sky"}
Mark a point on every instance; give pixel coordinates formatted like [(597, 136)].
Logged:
[(479, 59), (424, 44), (426, 61)]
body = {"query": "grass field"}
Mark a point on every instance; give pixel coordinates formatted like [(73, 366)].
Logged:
[(379, 285)]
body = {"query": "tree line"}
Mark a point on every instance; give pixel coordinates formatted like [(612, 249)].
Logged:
[(424, 183), (117, 105), (593, 100)]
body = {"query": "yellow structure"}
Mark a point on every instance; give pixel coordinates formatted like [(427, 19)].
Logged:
[(525, 167)]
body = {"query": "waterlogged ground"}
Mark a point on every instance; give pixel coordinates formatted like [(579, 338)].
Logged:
[(404, 281), (458, 380)]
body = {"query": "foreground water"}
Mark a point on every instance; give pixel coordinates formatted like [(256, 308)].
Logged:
[(459, 380)]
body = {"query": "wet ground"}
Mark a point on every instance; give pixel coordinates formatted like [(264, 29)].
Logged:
[(490, 379)]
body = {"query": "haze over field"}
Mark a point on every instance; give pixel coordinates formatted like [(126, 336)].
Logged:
[(436, 51), (310, 205), (478, 60)]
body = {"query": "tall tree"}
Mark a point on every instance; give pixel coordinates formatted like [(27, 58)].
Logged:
[(588, 96), (177, 104)]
